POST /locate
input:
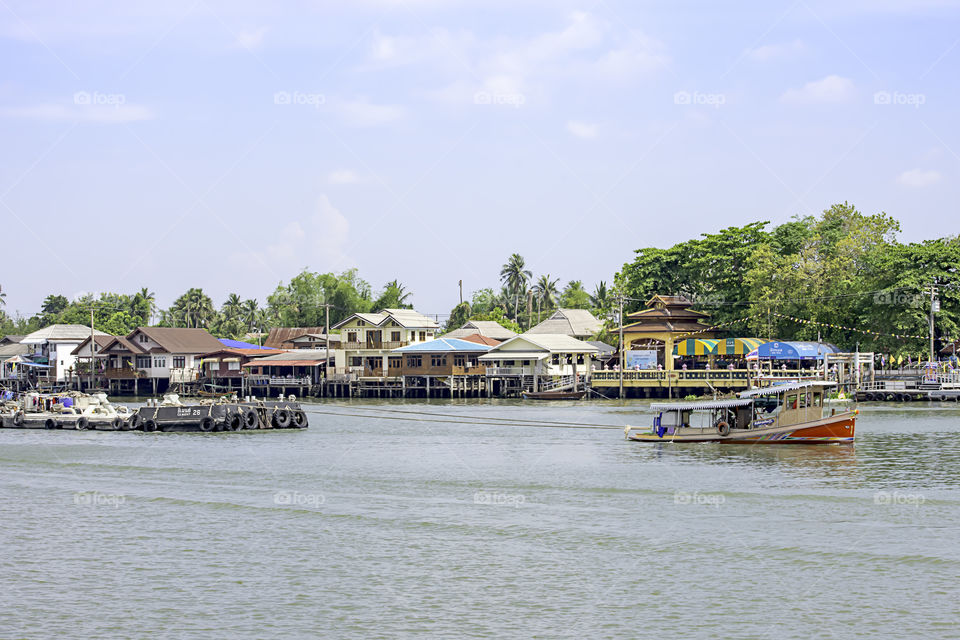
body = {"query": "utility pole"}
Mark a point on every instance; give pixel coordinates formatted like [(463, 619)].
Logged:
[(934, 307), (461, 291), (90, 383), (326, 363), (620, 345)]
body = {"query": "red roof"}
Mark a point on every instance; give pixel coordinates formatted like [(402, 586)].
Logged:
[(479, 339)]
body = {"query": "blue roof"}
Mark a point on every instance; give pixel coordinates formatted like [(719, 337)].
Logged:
[(236, 344), (795, 350), (443, 345)]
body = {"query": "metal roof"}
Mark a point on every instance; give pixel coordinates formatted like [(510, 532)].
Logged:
[(571, 322), (60, 332), (443, 345), (781, 388), (238, 344), (406, 318), (515, 355), (552, 342), (694, 406), (487, 328)]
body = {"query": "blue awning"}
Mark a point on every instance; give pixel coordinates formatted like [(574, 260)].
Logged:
[(795, 350)]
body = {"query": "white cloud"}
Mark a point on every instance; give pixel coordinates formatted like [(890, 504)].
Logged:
[(919, 178), (343, 176), (771, 51), (320, 238), (363, 113), (84, 113), (584, 130), (832, 89), (251, 39)]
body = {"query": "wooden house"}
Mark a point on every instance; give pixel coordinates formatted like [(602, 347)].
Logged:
[(367, 341)]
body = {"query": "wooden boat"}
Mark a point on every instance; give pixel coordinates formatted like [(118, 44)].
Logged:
[(781, 414), (553, 395)]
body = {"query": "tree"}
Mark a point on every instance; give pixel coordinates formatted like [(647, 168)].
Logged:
[(232, 307), (194, 309), (546, 291), (514, 275), (248, 312), (499, 316), (394, 296), (144, 305), (54, 305), (459, 315), (574, 296)]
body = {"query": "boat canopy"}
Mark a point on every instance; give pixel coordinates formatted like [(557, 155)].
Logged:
[(738, 346), (700, 406), (783, 388), (696, 347), (792, 351)]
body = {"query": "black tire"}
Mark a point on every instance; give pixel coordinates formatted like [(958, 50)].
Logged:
[(136, 421), (907, 397), (83, 423), (49, 423), (18, 419), (234, 422), (300, 419), (281, 418), (207, 424), (250, 418), (870, 397), (723, 428), (149, 425), (117, 424)]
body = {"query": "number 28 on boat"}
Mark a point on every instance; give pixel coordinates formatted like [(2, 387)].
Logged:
[(782, 414)]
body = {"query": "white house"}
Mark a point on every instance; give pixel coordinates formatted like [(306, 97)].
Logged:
[(56, 344), (542, 355)]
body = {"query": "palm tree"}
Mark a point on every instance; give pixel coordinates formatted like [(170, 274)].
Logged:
[(193, 309), (515, 276), (546, 290), (601, 297), (401, 291), (3, 297), (233, 306), (146, 301), (249, 313)]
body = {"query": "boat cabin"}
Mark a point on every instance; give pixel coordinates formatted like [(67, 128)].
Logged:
[(705, 415), (789, 404)]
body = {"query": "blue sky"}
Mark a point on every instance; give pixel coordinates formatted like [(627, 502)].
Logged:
[(227, 145)]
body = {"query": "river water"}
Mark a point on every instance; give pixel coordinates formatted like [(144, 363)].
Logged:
[(383, 524)]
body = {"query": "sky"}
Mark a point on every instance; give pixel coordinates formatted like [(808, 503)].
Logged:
[(228, 145)]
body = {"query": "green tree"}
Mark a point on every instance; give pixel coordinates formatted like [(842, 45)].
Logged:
[(514, 276), (459, 315), (499, 316), (394, 296), (574, 296), (193, 309), (545, 290)]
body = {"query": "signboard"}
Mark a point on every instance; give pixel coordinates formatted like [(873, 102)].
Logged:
[(640, 359)]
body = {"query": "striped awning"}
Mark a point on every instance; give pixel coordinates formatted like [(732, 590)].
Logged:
[(696, 347), (738, 346)]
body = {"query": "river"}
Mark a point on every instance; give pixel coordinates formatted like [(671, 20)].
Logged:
[(379, 524)]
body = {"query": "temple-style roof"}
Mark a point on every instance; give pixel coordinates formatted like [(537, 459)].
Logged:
[(667, 314)]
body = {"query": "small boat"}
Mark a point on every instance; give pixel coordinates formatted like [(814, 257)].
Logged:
[(781, 414), (553, 395)]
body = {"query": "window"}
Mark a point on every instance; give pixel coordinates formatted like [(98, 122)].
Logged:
[(395, 336), (414, 362), (555, 359), (143, 362), (459, 361), (233, 366), (142, 338), (179, 362), (438, 360), (423, 336), (579, 358), (352, 336), (160, 362), (356, 361), (394, 362)]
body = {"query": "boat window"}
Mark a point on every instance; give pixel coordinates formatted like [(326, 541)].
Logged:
[(790, 401)]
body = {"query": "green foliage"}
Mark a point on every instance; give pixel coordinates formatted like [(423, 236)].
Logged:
[(394, 296), (301, 302), (459, 315), (499, 316), (514, 276), (574, 296)]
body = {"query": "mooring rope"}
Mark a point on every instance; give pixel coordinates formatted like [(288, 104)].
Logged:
[(480, 420)]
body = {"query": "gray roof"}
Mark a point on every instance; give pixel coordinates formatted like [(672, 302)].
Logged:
[(781, 388), (406, 318), (76, 332), (554, 343), (10, 338), (695, 406), (572, 322), (486, 328), (14, 349), (602, 346)]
